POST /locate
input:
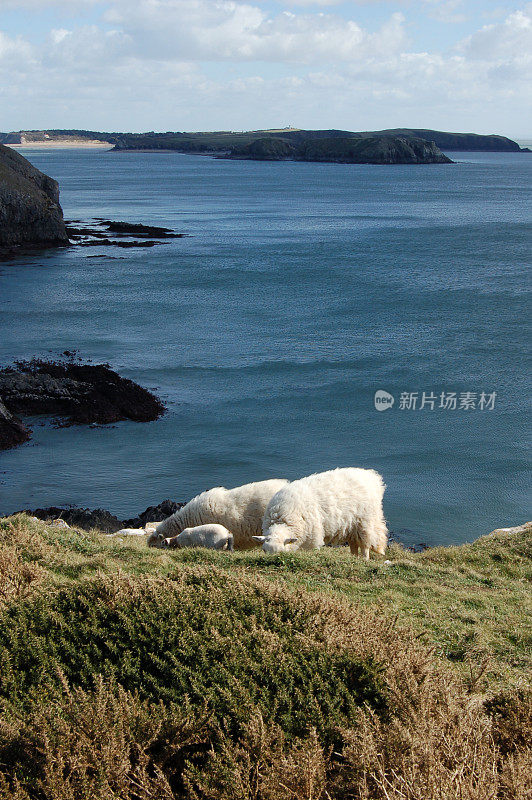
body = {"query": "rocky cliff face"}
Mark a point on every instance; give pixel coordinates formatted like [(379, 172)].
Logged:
[(12, 429), (30, 213), (345, 150), (373, 150)]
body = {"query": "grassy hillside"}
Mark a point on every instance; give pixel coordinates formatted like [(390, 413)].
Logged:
[(134, 673), (223, 141)]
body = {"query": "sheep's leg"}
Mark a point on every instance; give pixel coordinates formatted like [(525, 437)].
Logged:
[(353, 546), (365, 553)]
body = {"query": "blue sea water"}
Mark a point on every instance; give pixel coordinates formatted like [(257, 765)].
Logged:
[(301, 290)]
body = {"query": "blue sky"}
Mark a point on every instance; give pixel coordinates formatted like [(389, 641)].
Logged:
[(209, 64)]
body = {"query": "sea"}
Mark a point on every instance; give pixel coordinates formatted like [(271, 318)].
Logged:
[(315, 316)]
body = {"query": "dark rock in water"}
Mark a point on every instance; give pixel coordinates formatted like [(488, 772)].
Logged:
[(154, 514), (12, 430), (96, 234), (84, 518), (81, 233), (135, 229), (112, 243), (30, 214), (77, 393)]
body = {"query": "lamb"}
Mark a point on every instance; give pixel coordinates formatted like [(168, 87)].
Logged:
[(215, 537), (339, 506), (240, 510)]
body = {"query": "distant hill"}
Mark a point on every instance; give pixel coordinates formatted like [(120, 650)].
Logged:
[(221, 142), (456, 141)]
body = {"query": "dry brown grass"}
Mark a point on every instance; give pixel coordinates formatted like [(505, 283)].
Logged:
[(206, 692), (17, 578), (108, 745), (97, 745), (430, 738)]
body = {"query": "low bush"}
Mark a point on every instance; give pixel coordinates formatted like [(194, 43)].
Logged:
[(228, 681)]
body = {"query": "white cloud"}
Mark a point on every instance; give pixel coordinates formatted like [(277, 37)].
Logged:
[(84, 47), (14, 49), (206, 30), (142, 69), (506, 40), (19, 5)]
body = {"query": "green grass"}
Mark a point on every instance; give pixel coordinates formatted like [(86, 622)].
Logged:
[(472, 602), (129, 673)]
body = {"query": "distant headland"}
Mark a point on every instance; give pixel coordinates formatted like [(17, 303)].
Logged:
[(391, 146)]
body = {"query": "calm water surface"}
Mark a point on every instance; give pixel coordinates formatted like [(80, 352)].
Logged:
[(301, 291)]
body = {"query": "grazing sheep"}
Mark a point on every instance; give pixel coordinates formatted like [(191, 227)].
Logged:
[(340, 506), (215, 537), (240, 510)]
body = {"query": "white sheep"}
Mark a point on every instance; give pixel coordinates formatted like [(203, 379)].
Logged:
[(341, 506), (240, 510), (215, 537)]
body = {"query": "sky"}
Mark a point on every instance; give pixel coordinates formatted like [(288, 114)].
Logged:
[(186, 65)]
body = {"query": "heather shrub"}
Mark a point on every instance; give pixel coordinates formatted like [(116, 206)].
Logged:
[(238, 645), (228, 681), (17, 578), (98, 745)]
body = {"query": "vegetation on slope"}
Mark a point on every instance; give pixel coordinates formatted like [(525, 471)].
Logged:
[(222, 141), (132, 673), (457, 141)]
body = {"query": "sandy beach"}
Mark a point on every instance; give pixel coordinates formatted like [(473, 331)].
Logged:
[(57, 144)]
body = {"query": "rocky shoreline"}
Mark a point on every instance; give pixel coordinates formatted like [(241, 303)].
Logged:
[(125, 234), (30, 214), (97, 233), (72, 393), (31, 217), (103, 520)]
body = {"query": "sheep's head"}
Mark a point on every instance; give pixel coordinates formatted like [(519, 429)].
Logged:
[(172, 541), (155, 539), (278, 539)]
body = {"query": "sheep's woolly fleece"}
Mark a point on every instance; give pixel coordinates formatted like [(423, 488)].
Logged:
[(240, 510), (341, 506)]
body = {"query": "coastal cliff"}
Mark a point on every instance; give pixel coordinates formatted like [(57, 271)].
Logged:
[(348, 150), (30, 213)]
